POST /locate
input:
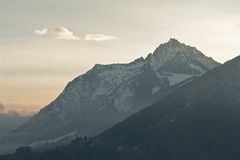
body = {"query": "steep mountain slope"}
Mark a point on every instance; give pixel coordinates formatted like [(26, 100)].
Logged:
[(107, 94), (199, 121)]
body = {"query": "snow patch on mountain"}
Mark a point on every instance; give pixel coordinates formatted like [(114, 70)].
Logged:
[(175, 78), (155, 90), (122, 103), (38, 143), (200, 69)]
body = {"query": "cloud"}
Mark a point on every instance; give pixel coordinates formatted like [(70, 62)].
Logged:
[(41, 31), (4, 112), (10, 120), (64, 33), (15, 112), (99, 37), (1, 107)]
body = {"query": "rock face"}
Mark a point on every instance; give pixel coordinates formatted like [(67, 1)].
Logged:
[(108, 94)]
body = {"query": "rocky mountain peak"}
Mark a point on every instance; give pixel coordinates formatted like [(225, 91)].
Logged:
[(180, 55), (174, 42)]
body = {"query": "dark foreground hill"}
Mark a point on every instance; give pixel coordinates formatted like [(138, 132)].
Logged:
[(200, 121)]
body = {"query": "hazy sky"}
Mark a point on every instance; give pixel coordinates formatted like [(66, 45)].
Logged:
[(46, 43)]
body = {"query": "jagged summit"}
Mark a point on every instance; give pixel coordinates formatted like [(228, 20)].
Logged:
[(175, 46), (177, 55), (173, 41)]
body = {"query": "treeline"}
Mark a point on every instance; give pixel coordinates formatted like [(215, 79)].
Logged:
[(80, 148)]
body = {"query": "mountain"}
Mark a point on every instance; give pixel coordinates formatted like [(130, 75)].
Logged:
[(199, 121), (108, 94)]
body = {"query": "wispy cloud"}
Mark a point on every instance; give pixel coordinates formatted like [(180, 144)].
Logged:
[(1, 107), (41, 31), (99, 37), (58, 33), (64, 33), (15, 110), (10, 120)]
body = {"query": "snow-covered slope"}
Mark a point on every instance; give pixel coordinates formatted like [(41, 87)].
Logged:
[(107, 94)]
